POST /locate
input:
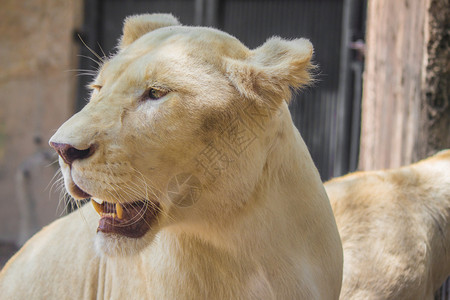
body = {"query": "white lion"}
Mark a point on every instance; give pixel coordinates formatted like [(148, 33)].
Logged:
[(395, 230), (204, 188)]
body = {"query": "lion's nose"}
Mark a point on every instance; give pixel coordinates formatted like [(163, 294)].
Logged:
[(69, 153)]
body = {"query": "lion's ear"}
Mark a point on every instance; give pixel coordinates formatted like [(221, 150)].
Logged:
[(136, 26), (273, 69)]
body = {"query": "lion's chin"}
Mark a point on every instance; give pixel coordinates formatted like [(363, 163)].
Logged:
[(114, 245)]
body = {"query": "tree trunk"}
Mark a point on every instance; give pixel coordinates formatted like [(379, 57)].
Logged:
[(435, 106), (405, 109), (405, 106)]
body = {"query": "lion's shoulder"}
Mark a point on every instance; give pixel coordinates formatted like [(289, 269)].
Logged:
[(39, 261)]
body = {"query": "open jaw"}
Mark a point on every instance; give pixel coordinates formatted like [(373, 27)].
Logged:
[(128, 219), (132, 220)]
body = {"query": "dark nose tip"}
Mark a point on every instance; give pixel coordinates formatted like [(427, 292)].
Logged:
[(69, 153)]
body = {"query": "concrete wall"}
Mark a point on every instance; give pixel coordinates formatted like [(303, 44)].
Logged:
[(37, 93)]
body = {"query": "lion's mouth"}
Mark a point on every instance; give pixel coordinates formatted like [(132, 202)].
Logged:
[(132, 220)]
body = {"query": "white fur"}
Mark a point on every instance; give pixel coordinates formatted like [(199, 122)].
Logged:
[(395, 229), (262, 228)]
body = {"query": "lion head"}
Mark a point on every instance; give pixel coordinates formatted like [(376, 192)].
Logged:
[(178, 129)]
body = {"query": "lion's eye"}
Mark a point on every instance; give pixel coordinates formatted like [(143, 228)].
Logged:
[(155, 94)]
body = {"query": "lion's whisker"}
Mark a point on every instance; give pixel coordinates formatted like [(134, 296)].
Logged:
[(101, 49), (90, 58), (159, 209), (52, 163), (93, 72), (54, 180), (92, 51)]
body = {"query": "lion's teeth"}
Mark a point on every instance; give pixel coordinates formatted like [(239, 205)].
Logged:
[(119, 210), (99, 201), (98, 207)]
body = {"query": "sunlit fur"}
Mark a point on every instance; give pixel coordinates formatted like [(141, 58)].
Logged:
[(262, 227), (395, 229)]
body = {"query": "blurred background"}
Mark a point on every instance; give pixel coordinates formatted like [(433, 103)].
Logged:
[(381, 99)]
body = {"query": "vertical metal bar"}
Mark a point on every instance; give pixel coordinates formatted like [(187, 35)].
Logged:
[(357, 69), (90, 34), (199, 12), (340, 153), (212, 13)]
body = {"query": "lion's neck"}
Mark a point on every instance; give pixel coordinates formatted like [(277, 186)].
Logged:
[(286, 200), (287, 207)]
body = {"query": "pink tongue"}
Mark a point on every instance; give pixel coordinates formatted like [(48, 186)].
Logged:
[(133, 230)]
